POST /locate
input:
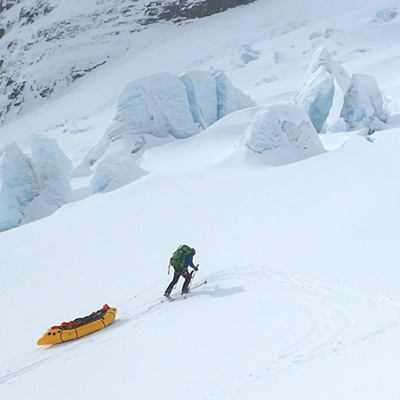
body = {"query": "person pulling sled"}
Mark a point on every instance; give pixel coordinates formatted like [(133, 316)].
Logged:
[(181, 260)]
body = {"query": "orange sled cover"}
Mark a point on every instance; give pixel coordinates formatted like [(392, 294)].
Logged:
[(79, 327)]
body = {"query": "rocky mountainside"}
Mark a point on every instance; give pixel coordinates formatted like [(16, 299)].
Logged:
[(47, 45)]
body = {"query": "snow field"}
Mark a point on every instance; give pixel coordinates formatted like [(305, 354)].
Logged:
[(276, 309), (303, 324), (301, 260)]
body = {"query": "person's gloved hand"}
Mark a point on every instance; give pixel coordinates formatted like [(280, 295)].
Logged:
[(196, 268)]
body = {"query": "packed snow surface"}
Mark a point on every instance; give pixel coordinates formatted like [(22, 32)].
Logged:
[(300, 257)]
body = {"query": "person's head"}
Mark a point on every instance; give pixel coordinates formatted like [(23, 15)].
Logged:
[(193, 251)]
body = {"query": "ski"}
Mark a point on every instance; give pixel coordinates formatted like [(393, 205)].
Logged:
[(166, 300), (173, 298), (198, 285), (195, 287), (161, 301)]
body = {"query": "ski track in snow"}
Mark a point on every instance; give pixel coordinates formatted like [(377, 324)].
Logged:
[(328, 326), (329, 321)]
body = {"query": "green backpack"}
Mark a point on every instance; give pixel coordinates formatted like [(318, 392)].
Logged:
[(178, 258)]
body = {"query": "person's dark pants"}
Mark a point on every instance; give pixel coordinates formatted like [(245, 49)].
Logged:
[(177, 274)]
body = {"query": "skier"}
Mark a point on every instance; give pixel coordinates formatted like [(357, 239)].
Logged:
[(181, 260)]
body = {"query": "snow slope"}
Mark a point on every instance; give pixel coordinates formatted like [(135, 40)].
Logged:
[(301, 262)]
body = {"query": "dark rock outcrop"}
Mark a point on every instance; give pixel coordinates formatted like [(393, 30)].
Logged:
[(33, 44), (185, 9)]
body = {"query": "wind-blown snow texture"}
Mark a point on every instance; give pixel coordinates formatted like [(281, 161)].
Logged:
[(300, 256)]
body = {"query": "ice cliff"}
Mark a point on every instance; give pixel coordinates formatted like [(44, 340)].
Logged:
[(35, 185), (155, 110)]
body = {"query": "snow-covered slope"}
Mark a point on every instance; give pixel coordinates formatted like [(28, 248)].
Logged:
[(48, 45), (302, 295)]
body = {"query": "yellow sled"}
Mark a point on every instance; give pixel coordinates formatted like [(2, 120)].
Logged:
[(79, 327)]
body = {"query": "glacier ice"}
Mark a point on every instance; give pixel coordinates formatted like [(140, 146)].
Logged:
[(249, 54), (156, 104), (212, 98), (316, 97), (337, 126), (334, 102), (230, 98), (19, 186), (385, 15), (323, 58), (153, 111), (363, 104), (53, 171), (33, 186), (323, 90), (281, 134), (201, 89)]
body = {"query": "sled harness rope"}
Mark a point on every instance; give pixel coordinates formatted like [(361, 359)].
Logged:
[(143, 291)]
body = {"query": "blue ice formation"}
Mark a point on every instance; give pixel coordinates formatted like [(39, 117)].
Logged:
[(385, 15), (157, 104), (316, 97), (153, 111), (33, 186), (323, 90), (229, 97), (282, 134), (363, 105), (19, 186), (201, 90)]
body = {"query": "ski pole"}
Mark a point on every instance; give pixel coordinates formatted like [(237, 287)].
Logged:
[(191, 280)]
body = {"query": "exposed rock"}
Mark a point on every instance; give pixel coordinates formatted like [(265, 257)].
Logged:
[(34, 40), (179, 10)]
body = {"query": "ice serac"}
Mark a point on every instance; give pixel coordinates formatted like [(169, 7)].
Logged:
[(323, 58), (19, 186), (363, 105), (153, 111), (323, 90), (150, 111), (156, 104), (201, 89), (281, 134), (230, 98), (316, 97), (33, 186)]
